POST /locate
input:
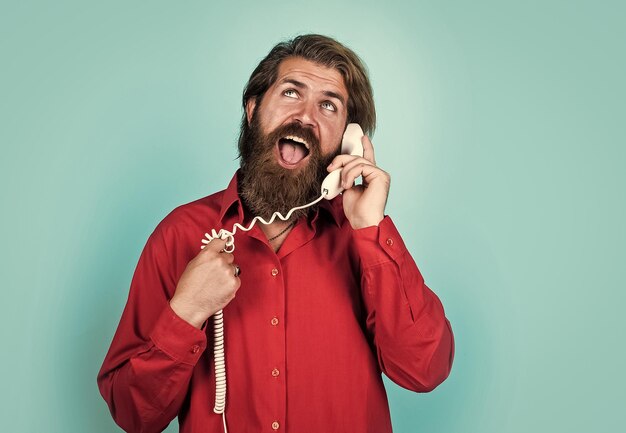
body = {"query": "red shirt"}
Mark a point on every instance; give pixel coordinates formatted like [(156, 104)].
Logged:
[(306, 337)]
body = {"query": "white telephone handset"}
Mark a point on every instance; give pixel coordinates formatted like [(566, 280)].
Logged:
[(331, 188), (351, 145)]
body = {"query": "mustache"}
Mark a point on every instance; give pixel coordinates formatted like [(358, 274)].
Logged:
[(295, 128)]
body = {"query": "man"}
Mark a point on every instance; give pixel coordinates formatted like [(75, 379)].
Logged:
[(315, 308)]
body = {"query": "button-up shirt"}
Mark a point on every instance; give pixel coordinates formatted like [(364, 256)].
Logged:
[(306, 337)]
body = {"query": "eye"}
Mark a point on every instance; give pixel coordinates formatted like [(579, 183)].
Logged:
[(329, 106), (290, 93)]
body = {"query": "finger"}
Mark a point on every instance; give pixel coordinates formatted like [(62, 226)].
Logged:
[(227, 257), (368, 149), (357, 161), (351, 172), (350, 165), (225, 264), (340, 161), (237, 284), (216, 245), (349, 176)]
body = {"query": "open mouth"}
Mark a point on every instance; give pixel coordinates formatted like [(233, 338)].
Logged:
[(292, 149)]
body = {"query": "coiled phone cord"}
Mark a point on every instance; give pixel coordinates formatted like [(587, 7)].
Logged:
[(218, 317), (229, 236)]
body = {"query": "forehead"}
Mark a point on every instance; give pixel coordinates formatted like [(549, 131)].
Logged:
[(315, 75)]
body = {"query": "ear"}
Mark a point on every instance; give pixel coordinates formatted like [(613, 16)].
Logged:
[(250, 104)]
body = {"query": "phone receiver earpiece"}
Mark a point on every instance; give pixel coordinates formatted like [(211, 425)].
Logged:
[(350, 145)]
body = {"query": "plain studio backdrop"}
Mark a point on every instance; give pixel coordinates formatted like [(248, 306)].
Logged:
[(501, 123)]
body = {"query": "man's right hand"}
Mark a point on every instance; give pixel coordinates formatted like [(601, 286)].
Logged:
[(207, 285)]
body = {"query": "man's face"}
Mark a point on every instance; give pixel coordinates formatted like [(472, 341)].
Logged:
[(293, 135), (310, 95)]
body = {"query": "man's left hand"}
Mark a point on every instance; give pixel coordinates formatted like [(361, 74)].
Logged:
[(364, 205)]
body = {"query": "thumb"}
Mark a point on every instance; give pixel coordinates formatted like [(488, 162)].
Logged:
[(215, 245)]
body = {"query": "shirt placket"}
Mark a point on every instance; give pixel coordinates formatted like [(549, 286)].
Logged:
[(277, 372)]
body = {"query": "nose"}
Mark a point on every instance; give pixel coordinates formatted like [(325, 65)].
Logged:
[(305, 114)]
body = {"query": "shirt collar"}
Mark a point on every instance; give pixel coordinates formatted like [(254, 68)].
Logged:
[(231, 199)]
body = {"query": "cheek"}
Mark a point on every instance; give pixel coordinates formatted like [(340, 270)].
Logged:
[(267, 117), (331, 146), (275, 119), (332, 141)]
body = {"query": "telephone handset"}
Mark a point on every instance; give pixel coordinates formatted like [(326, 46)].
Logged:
[(331, 188), (350, 145)]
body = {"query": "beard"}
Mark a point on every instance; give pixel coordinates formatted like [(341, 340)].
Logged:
[(266, 187)]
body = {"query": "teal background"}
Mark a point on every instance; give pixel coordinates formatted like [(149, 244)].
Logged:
[(501, 123)]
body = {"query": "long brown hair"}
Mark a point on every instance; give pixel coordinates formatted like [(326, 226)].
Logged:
[(325, 51)]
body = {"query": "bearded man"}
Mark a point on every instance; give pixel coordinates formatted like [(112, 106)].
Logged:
[(314, 308)]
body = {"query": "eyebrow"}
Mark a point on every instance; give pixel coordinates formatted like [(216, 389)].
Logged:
[(301, 85)]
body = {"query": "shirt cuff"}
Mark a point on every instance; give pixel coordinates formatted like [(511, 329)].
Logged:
[(177, 338), (379, 244)]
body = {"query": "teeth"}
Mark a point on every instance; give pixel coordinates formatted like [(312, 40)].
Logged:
[(298, 139)]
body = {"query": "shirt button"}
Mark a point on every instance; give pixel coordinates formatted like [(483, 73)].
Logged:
[(275, 372), (274, 272), (390, 242), (274, 321), (195, 348), (275, 425)]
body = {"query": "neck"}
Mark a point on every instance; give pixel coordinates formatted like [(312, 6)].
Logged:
[(277, 232)]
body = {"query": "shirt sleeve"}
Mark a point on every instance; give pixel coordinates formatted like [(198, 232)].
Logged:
[(405, 319), (146, 373)]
